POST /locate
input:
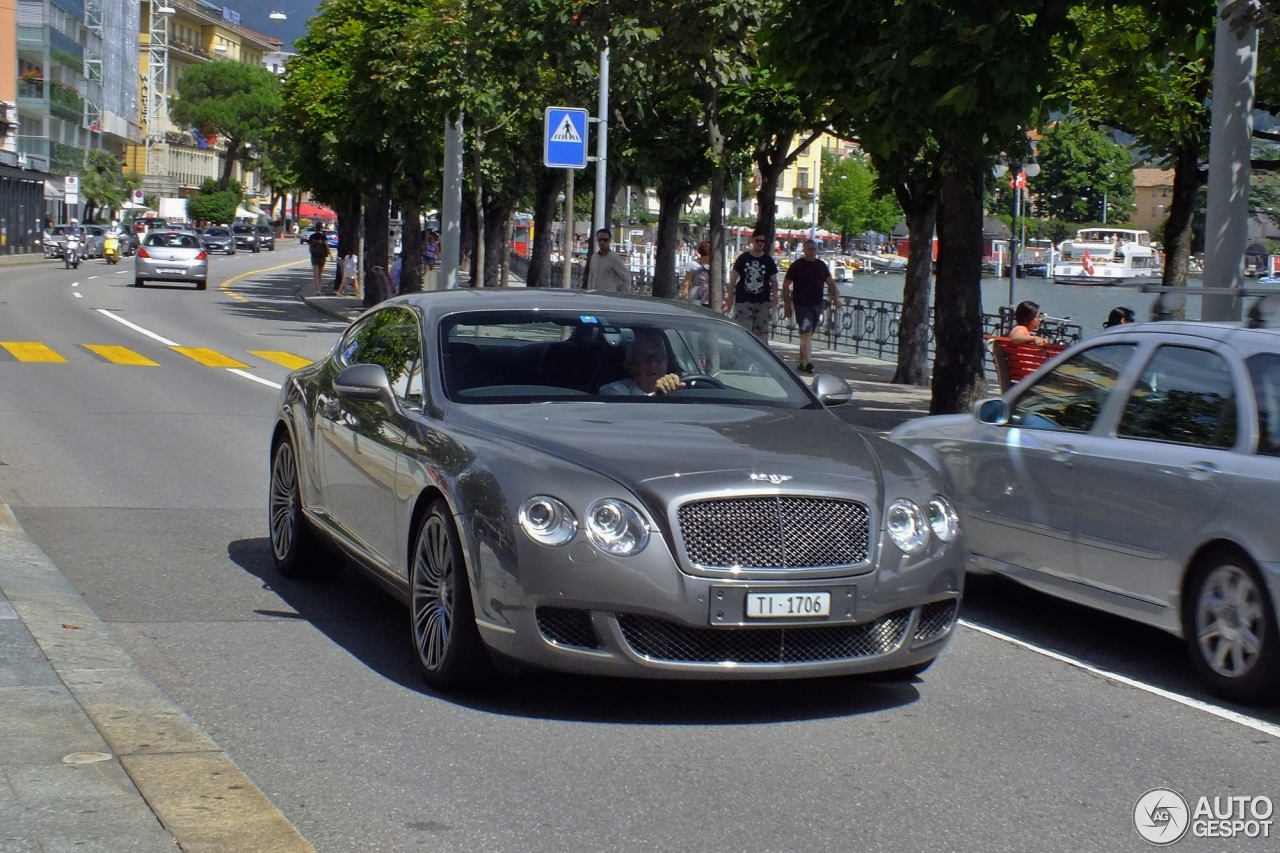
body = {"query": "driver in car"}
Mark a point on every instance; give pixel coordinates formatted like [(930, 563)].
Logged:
[(646, 361)]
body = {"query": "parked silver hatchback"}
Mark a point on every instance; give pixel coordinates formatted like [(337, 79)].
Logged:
[(171, 256), (1138, 473)]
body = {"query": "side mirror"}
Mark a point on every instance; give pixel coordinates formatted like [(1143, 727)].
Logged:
[(831, 390), (991, 411), (364, 382)]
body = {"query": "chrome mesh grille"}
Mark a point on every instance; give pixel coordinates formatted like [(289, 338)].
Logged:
[(659, 639), (567, 626), (935, 620), (775, 532)]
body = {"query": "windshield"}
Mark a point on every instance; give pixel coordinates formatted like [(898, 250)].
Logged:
[(243, 229), (173, 241), (539, 356), (217, 232)]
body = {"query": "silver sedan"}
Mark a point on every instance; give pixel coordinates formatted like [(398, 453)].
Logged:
[(609, 485), (171, 256), (1138, 473)]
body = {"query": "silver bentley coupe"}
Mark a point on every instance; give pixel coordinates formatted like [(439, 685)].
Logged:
[(609, 485), (1137, 473)]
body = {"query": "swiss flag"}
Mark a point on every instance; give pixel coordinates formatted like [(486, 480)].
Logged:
[(1087, 263)]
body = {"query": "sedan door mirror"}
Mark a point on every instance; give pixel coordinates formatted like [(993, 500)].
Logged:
[(831, 390), (991, 411), (364, 382)]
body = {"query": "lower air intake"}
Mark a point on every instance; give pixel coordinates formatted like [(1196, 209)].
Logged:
[(566, 626)]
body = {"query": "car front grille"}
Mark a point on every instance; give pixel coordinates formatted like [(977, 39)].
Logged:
[(935, 620), (659, 639), (567, 626), (775, 532)]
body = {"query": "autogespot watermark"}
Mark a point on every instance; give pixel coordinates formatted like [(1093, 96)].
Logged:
[(1162, 816)]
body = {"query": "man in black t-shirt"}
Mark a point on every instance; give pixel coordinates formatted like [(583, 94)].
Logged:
[(802, 291), (753, 288)]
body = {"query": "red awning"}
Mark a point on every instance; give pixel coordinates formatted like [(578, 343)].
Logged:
[(315, 211)]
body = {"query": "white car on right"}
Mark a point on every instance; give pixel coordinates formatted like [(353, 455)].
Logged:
[(1138, 472)]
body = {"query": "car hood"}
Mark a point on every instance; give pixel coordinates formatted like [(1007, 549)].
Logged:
[(639, 443)]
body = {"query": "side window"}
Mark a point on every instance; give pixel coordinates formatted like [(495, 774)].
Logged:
[(1184, 395), (1265, 372), (390, 338), (1071, 396)]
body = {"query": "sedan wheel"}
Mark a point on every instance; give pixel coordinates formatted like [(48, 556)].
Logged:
[(445, 638), (1231, 630), (294, 545)]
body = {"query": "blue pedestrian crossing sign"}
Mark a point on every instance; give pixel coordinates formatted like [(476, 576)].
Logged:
[(564, 142)]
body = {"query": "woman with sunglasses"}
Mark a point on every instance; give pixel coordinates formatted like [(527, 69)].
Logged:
[(1026, 319)]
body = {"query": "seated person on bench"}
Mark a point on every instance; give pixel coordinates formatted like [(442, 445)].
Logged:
[(646, 361)]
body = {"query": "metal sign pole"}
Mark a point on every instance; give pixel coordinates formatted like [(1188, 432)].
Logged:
[(602, 141), (451, 207), (566, 272)]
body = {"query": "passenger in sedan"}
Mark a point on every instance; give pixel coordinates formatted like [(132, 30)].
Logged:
[(646, 361)]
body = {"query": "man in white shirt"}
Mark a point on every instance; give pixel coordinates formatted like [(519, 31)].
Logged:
[(606, 271), (646, 361)]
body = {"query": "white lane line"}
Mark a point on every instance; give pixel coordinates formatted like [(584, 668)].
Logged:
[(122, 272), (1222, 713), (91, 278), (75, 284), (138, 328), (79, 296), (238, 372)]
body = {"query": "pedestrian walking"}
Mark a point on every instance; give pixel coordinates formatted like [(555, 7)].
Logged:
[(396, 269), (318, 245), (802, 293), (431, 250), (350, 274), (605, 269), (753, 288), (697, 276)]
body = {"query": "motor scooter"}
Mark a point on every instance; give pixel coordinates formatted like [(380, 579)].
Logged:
[(71, 253), (111, 249)]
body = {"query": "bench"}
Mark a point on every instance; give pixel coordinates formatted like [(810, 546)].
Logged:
[(1015, 362)]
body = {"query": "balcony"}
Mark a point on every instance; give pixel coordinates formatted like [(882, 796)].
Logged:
[(66, 104)]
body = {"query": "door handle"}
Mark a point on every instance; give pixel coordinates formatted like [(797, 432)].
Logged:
[(1201, 471), (1062, 453)]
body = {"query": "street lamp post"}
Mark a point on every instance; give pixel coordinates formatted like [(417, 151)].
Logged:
[(1017, 169)]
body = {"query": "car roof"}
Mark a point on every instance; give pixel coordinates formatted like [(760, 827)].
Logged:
[(436, 304), (1236, 335)]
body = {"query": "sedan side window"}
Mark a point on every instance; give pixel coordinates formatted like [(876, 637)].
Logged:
[(1265, 372), (390, 338), (1184, 395), (1071, 396)]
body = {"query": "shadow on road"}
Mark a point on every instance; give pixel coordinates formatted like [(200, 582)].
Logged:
[(1099, 639), (374, 628)]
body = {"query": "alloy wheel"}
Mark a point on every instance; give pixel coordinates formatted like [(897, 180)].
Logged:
[(283, 500), (1230, 621), (433, 593)]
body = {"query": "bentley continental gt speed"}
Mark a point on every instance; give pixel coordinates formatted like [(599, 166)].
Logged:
[(611, 485)]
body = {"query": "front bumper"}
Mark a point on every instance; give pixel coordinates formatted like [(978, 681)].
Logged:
[(566, 609)]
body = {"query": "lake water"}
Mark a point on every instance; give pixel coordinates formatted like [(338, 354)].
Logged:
[(1087, 305)]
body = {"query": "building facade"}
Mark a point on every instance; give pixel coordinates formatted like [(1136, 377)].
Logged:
[(1152, 189), (174, 35)]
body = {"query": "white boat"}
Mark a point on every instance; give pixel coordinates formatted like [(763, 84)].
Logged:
[(1116, 256), (881, 263)]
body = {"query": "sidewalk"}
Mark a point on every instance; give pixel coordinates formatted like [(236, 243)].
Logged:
[(21, 260)]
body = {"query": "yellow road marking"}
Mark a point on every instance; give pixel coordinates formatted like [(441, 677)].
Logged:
[(226, 285), (32, 351), (120, 355), (284, 359), (208, 357)]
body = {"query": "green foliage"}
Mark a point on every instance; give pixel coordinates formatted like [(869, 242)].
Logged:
[(1264, 187), (792, 223), (851, 201), (214, 204), (239, 102), (1078, 167), (102, 184)]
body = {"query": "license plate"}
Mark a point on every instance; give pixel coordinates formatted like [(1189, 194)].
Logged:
[(170, 271), (788, 605)]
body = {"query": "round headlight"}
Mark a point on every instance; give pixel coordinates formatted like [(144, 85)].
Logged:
[(616, 527), (943, 520), (906, 526), (547, 520)]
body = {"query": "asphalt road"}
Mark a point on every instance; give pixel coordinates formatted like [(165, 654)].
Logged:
[(147, 486)]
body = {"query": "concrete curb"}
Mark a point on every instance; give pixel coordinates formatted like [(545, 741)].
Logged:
[(190, 784), (23, 260)]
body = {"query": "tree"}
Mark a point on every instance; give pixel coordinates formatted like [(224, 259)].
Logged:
[(851, 201), (239, 102), (102, 185), (1080, 167), (215, 205)]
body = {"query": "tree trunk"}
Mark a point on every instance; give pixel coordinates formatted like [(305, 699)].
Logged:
[(767, 204), (504, 257), (715, 222), (920, 205), (958, 378), (550, 185), (348, 226), (495, 224), (411, 242), (467, 237), (670, 203), (478, 254), (229, 162), (377, 225), (1187, 180)]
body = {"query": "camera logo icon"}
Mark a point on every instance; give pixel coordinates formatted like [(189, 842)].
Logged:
[(1161, 816)]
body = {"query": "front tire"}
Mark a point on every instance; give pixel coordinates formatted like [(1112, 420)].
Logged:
[(442, 620), (296, 549), (1230, 628)]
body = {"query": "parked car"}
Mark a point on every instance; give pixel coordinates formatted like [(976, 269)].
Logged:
[(94, 236), (53, 240), (171, 256), (246, 237), (480, 455), (218, 238), (266, 237), (1138, 473), (331, 237)]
